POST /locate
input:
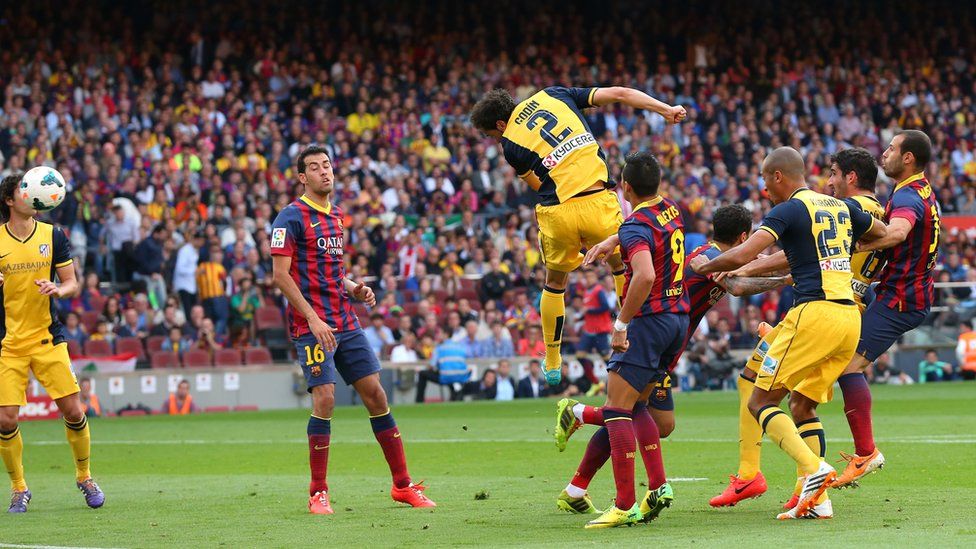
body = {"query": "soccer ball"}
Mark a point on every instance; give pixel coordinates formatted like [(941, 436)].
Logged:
[(43, 188)]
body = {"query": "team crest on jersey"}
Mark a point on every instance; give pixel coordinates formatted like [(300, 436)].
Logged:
[(769, 365), (660, 394), (45, 250), (278, 238), (315, 370)]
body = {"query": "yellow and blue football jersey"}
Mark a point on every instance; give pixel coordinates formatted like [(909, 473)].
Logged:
[(817, 232), (29, 320), (551, 147), (865, 266)]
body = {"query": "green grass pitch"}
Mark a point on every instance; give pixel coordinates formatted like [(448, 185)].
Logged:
[(240, 480)]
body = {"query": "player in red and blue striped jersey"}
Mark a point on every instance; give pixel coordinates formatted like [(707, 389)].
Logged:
[(905, 291), (307, 246), (731, 226)]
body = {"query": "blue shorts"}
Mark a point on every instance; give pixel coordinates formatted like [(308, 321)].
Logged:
[(655, 341), (353, 359), (661, 397), (881, 326), (600, 342)]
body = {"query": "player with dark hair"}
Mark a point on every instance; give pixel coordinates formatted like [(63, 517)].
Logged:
[(549, 143), (853, 175), (647, 336), (307, 246), (731, 226), (32, 339), (904, 294), (819, 334)]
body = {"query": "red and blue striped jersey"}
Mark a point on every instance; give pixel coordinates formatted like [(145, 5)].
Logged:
[(703, 292), (907, 282), (313, 237), (656, 226)]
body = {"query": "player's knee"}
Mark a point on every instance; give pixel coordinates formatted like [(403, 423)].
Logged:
[(665, 427), (556, 280), (8, 423), (374, 398), (802, 408)]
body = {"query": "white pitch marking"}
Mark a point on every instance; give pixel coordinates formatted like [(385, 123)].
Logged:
[(16, 546)]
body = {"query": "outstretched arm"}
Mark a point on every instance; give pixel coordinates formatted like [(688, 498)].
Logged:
[(638, 100), (747, 285), (736, 257)]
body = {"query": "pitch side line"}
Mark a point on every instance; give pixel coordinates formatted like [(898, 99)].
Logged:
[(16, 546)]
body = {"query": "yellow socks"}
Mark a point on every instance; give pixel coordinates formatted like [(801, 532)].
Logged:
[(552, 308), (812, 432), (780, 429), (618, 283), (750, 433), (12, 450), (79, 437)]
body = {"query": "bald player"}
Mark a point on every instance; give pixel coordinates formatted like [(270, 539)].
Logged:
[(819, 335)]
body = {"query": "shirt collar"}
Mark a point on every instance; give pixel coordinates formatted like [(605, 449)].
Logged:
[(648, 203), (910, 180), (326, 210)]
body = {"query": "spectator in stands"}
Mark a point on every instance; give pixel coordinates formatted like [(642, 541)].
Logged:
[(484, 389), (212, 289), (177, 342), (504, 385), (180, 403), (469, 338), (532, 344), (208, 338), (74, 330), (966, 351), (532, 385), (496, 282), (185, 271), (150, 255), (378, 334), (499, 343), (243, 306), (167, 323), (521, 313), (596, 317), (404, 351), (933, 369), (103, 332), (130, 327), (448, 367), (882, 372), (112, 313), (121, 235), (89, 400)]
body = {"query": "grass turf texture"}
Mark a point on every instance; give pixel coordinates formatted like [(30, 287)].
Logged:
[(240, 480)]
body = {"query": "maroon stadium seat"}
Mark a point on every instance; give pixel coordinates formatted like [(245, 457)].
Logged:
[(257, 356), (197, 358), (246, 408), (89, 319), (469, 284), (74, 348), (268, 317), (391, 322), (97, 303), (164, 359), (410, 309), (227, 357), (98, 347), (131, 345), (155, 343)]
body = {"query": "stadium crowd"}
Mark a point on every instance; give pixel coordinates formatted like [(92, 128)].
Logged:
[(179, 151)]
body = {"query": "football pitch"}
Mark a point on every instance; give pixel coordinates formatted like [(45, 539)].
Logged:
[(240, 480)]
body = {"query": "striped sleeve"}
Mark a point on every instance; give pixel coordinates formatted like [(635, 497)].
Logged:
[(62, 248)]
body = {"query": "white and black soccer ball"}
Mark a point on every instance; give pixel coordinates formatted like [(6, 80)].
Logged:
[(43, 188)]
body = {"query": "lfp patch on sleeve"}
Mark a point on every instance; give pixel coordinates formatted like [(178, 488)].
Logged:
[(278, 238), (769, 365)]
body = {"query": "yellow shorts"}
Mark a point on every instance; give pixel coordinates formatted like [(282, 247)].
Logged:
[(813, 346), (565, 229), (51, 367), (759, 353)]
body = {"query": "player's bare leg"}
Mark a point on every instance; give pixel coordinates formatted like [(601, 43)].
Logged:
[(319, 439), (552, 309), (388, 435), (12, 450), (857, 408), (79, 438)]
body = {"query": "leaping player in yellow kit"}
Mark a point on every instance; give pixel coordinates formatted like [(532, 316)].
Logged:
[(550, 145), (32, 338)]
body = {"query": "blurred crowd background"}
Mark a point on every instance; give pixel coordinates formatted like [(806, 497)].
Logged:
[(176, 125)]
